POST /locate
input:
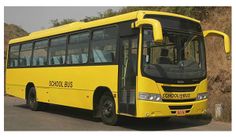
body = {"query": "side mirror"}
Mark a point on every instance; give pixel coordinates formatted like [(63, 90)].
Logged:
[(219, 33), (156, 26)]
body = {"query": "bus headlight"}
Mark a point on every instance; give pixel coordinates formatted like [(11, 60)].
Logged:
[(150, 97), (202, 96)]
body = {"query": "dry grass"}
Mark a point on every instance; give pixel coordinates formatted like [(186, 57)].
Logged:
[(219, 68)]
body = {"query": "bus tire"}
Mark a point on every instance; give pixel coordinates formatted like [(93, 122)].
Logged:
[(32, 100), (107, 109)]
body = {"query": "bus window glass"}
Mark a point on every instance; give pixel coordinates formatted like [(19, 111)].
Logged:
[(103, 48), (78, 48), (40, 53), (25, 55), (180, 56), (13, 56), (57, 51)]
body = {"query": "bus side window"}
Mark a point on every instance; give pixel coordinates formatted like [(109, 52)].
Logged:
[(84, 58), (57, 50), (41, 61), (25, 54), (40, 53), (13, 56), (78, 48), (103, 47)]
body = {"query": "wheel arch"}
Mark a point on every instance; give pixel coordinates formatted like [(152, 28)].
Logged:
[(98, 92)]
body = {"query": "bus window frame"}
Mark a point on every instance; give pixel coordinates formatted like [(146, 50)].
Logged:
[(68, 39), (8, 56), (90, 30), (33, 51), (90, 45), (28, 42), (49, 45), (115, 62)]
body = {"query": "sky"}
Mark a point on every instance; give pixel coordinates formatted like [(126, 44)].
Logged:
[(38, 18)]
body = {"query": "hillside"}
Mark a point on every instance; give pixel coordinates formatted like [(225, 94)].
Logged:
[(12, 31), (218, 66)]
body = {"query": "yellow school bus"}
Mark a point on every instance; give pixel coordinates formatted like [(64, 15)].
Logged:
[(143, 64)]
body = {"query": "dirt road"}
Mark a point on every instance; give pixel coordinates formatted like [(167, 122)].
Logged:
[(58, 118)]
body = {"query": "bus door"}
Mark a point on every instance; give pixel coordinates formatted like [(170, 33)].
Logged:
[(127, 75)]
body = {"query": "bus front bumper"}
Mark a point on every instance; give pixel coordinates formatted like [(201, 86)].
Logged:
[(167, 109)]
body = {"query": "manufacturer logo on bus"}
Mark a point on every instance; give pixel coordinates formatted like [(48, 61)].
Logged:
[(176, 96), (180, 81)]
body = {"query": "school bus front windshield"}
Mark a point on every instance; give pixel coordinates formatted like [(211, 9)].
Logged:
[(180, 57)]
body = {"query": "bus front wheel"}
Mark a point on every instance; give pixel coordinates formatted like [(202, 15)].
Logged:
[(107, 109), (32, 100)]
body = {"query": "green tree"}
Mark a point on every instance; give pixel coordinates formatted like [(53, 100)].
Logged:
[(56, 22), (199, 13)]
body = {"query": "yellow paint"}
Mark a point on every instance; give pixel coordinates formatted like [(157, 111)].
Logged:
[(160, 109), (156, 26), (225, 36), (87, 78)]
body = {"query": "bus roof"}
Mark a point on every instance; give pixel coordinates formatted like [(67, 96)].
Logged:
[(85, 25)]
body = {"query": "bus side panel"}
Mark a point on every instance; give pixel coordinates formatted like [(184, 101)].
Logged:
[(85, 80), (13, 85), (51, 88), (42, 94), (15, 90)]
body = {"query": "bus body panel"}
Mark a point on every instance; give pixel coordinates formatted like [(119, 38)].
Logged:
[(160, 109), (51, 88)]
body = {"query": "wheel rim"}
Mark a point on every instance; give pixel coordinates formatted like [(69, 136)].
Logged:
[(32, 98), (107, 108)]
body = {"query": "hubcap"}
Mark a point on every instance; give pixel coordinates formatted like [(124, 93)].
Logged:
[(31, 98), (107, 108)]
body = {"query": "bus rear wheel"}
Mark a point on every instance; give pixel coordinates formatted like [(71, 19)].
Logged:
[(107, 109), (32, 100)]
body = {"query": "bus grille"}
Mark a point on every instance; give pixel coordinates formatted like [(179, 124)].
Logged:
[(174, 112), (185, 108), (181, 107), (178, 89), (185, 100)]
